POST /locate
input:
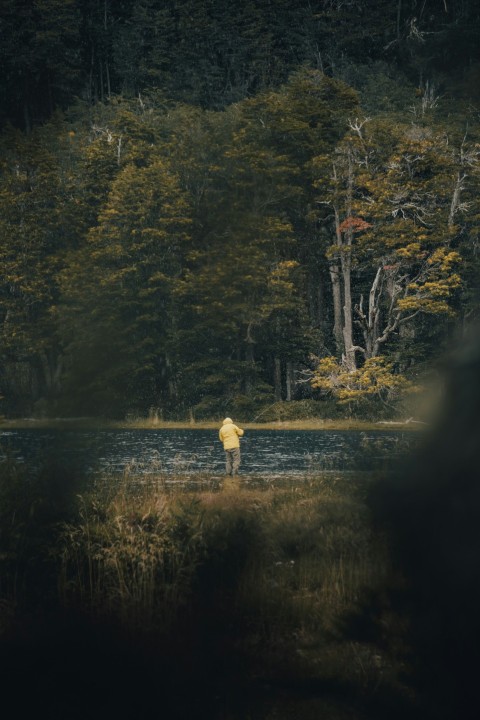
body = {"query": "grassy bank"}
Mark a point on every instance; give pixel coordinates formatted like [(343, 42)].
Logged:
[(148, 424), (235, 599)]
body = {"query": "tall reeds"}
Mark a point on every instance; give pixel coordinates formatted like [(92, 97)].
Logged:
[(255, 579), (274, 564)]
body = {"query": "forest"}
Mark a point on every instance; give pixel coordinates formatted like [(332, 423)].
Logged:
[(211, 206), (267, 209)]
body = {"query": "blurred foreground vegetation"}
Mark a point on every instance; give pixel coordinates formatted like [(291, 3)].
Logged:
[(207, 598)]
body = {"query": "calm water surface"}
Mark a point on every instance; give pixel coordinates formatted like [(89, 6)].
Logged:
[(188, 451)]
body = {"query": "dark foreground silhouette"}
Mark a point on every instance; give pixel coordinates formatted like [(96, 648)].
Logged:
[(432, 513)]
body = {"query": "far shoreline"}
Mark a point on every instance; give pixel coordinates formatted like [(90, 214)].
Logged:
[(89, 423)]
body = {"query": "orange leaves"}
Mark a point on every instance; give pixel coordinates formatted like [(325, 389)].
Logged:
[(354, 225)]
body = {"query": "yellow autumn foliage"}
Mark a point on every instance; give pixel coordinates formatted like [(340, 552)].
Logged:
[(375, 378)]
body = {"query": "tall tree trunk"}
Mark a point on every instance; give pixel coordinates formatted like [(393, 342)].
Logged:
[(346, 264), (372, 346), (455, 203), (107, 72), (26, 109), (320, 317), (277, 379), (250, 358), (172, 387), (337, 307), (340, 274), (100, 69), (370, 321), (52, 372), (92, 93), (347, 329), (290, 382)]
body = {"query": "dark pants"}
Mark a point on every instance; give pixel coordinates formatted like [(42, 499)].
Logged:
[(232, 461)]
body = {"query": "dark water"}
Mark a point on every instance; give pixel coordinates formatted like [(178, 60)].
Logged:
[(188, 451)]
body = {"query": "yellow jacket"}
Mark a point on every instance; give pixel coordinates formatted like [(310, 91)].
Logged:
[(229, 434)]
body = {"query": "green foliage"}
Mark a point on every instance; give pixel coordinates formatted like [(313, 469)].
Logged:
[(40, 222), (158, 253), (132, 260)]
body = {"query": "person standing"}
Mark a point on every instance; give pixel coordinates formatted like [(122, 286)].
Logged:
[(230, 436)]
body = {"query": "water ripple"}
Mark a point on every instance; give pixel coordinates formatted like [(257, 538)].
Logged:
[(187, 451)]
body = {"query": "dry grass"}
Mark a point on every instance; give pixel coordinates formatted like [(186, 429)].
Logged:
[(286, 565), (148, 424), (252, 581)]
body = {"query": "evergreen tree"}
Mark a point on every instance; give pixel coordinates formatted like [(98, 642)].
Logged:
[(39, 222), (119, 301)]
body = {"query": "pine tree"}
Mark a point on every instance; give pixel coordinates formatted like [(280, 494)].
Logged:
[(119, 300)]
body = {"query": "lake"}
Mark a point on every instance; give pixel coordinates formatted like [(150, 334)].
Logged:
[(190, 451)]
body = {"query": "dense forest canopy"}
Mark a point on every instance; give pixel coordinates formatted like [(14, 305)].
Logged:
[(208, 205)]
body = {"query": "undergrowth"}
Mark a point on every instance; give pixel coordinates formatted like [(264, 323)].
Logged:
[(219, 585)]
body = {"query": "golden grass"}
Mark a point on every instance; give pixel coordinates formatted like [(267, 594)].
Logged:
[(147, 424), (290, 562), (265, 575)]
